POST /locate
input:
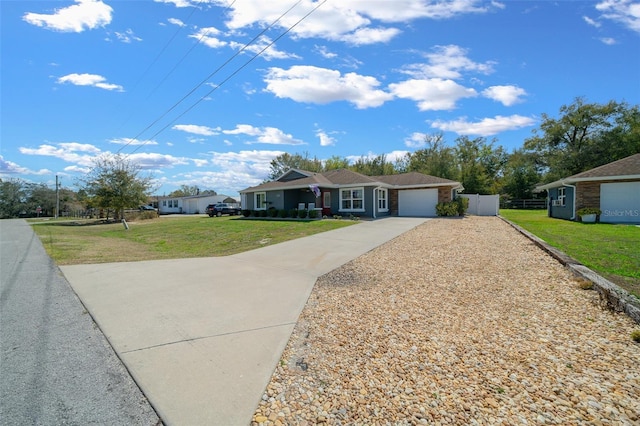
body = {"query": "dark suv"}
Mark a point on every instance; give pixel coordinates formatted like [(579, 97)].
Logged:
[(222, 208)]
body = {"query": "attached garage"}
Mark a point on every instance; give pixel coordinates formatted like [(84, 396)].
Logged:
[(417, 202), (620, 202)]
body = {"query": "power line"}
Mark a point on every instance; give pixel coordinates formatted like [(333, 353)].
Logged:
[(233, 73), (218, 69)]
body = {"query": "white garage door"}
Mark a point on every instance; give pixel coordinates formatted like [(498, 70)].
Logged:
[(417, 202), (620, 202)]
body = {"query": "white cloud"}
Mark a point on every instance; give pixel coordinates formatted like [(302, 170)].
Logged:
[(325, 139), (197, 130), (260, 46), (484, 127), (127, 37), (608, 40), (267, 135), (416, 140), (625, 12), (591, 22), (176, 21), (325, 53), (132, 141), (89, 80), (206, 37), (507, 95), (151, 161), (86, 14), (321, 86), (447, 62), (363, 36), (176, 3), (9, 168), (432, 94), (72, 152), (348, 20)]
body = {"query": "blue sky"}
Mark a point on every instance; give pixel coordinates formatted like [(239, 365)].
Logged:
[(208, 92)]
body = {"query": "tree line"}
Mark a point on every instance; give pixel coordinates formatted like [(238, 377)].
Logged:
[(583, 136)]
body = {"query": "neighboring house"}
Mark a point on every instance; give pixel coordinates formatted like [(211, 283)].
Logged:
[(614, 188), (191, 204), (344, 192)]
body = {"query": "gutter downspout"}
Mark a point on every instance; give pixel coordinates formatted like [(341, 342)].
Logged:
[(573, 208)]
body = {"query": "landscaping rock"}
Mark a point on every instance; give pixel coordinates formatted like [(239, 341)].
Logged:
[(456, 322)]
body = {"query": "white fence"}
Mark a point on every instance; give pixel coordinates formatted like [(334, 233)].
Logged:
[(482, 205)]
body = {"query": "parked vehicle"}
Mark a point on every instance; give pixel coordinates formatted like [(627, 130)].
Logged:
[(148, 208), (222, 208)]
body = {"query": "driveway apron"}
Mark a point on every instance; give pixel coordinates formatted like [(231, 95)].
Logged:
[(202, 336)]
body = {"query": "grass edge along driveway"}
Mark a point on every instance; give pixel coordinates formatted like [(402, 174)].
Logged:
[(611, 250), (70, 243)]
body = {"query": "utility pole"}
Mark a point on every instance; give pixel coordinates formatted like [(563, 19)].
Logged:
[(57, 197)]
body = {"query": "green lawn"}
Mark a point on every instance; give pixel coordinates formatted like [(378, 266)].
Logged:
[(170, 237), (611, 250)]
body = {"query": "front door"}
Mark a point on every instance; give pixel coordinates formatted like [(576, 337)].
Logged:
[(326, 203)]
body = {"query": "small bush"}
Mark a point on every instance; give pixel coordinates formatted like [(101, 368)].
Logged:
[(263, 213), (635, 335), (283, 213), (302, 214), (273, 212), (255, 213), (457, 207), (313, 214), (293, 213), (589, 210), (246, 212)]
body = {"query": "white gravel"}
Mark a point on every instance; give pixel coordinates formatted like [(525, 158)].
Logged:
[(459, 321)]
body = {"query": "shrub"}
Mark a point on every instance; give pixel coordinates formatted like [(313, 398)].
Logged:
[(255, 213), (246, 212), (313, 214), (263, 213), (302, 214), (293, 213), (283, 213), (589, 210), (457, 207), (273, 212), (635, 335), (463, 205)]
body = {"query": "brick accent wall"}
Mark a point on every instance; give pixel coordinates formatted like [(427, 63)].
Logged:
[(444, 194), (587, 194), (393, 202)]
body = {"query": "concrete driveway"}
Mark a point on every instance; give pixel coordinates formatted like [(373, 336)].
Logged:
[(201, 337)]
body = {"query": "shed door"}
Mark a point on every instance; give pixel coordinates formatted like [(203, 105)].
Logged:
[(417, 202), (620, 202)]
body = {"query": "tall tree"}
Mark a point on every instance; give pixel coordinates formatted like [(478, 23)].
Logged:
[(481, 165), (335, 163), (584, 136), (13, 197), (373, 166), (520, 175), (115, 183), (436, 159), (186, 191), (284, 162)]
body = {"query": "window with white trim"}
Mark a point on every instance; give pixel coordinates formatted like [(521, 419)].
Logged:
[(382, 195), (352, 199), (561, 196), (260, 200)]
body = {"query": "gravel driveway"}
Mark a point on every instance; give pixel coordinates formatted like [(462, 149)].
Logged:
[(459, 321)]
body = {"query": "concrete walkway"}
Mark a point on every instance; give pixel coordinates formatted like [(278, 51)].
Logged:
[(201, 337)]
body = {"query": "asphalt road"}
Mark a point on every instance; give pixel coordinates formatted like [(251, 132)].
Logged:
[(56, 366)]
